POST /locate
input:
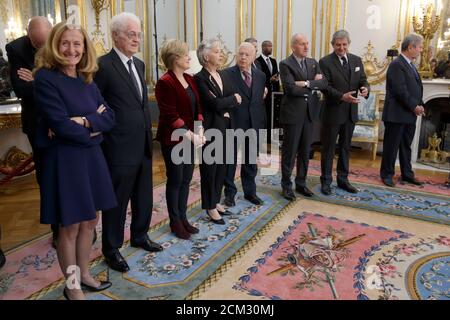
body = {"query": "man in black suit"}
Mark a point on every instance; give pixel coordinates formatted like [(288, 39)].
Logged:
[(301, 78), (269, 66), (403, 104), (346, 80), (21, 53), (128, 147), (249, 84)]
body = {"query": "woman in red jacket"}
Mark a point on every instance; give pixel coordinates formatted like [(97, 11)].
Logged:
[(179, 105)]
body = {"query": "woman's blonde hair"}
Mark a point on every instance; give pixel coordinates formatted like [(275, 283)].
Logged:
[(171, 50), (49, 57)]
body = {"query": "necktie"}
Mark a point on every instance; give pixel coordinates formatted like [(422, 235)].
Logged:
[(133, 78), (247, 79), (416, 73), (345, 65), (304, 68), (269, 64)]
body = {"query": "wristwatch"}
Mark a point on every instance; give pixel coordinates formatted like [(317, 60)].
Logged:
[(84, 121), (307, 83)]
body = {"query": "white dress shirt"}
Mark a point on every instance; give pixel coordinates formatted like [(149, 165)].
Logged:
[(124, 60)]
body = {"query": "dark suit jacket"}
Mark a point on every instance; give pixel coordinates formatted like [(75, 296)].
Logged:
[(214, 102), (131, 137), (403, 93), (175, 109), (297, 100), (21, 55), (272, 86), (335, 110), (251, 113)]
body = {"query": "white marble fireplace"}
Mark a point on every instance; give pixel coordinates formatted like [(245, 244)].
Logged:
[(433, 89)]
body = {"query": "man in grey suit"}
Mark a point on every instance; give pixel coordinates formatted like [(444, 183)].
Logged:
[(403, 105), (301, 78), (346, 79)]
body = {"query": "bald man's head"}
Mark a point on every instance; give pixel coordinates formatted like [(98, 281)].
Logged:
[(39, 29), (300, 45)]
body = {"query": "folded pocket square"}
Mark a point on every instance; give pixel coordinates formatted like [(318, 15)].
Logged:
[(357, 69)]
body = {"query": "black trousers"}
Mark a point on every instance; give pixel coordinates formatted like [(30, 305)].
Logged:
[(179, 177), (248, 172), (398, 138), (296, 144), (131, 183), (329, 134)]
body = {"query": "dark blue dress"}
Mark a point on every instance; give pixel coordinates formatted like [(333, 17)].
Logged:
[(75, 178)]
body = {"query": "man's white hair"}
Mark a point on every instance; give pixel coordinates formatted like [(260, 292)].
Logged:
[(296, 36), (247, 45), (119, 22)]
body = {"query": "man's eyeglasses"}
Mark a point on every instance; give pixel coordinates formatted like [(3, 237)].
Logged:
[(133, 35)]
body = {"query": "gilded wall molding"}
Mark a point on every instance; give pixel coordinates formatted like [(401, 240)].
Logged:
[(240, 22), (289, 27), (328, 27), (322, 20), (345, 13), (194, 16), (337, 15), (275, 28), (4, 11), (148, 44), (253, 18), (314, 29), (408, 17)]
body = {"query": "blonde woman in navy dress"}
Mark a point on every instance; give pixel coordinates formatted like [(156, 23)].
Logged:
[(76, 184)]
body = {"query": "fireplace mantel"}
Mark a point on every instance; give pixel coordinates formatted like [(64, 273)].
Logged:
[(432, 89)]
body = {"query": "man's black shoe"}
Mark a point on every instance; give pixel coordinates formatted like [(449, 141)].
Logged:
[(229, 202), (116, 262), (2, 258), (254, 199), (326, 189), (347, 187), (288, 194), (413, 181), (147, 245), (389, 183), (304, 191)]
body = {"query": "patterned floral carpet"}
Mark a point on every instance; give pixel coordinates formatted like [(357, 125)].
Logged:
[(186, 269), (334, 255)]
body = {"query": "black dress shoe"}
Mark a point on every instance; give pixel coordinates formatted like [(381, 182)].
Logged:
[(229, 202), (224, 213), (347, 187), (254, 199), (215, 221), (326, 189), (288, 194), (116, 262), (389, 183), (147, 245), (103, 286), (413, 181), (2, 258), (304, 191)]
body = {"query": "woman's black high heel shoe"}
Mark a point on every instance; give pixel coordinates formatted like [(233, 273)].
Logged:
[(103, 286), (220, 221)]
